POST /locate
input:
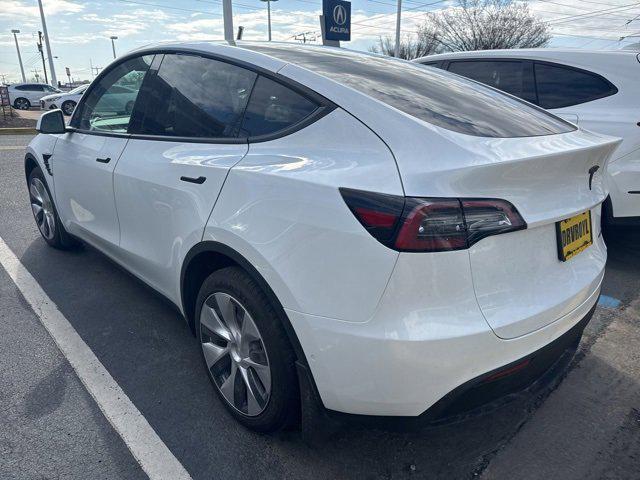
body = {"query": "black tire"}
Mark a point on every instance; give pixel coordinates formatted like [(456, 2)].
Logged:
[(60, 238), (68, 105), (606, 220), (21, 103), (283, 403)]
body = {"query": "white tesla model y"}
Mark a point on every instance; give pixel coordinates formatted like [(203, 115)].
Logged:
[(372, 236)]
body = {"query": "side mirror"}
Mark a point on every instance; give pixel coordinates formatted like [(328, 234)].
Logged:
[(51, 122)]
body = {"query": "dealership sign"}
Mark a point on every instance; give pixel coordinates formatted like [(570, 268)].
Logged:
[(337, 19)]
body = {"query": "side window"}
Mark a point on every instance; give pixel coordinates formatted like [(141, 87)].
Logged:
[(198, 97), (437, 64), (274, 107), (108, 106), (563, 87), (503, 75)]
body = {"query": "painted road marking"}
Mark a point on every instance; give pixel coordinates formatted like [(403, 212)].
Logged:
[(608, 302), (12, 147), (148, 449)]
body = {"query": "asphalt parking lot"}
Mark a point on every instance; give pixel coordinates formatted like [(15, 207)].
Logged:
[(586, 425)]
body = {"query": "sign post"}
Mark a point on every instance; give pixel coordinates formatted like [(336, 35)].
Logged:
[(335, 22)]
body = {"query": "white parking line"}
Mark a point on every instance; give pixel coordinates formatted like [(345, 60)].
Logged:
[(151, 453), (12, 147)]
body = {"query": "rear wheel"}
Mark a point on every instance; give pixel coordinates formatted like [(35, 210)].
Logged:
[(45, 214), (21, 104), (68, 107), (246, 351)]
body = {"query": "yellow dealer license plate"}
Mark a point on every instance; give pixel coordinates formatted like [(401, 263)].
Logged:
[(574, 235)]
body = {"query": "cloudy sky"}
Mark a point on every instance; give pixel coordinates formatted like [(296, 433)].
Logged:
[(80, 29)]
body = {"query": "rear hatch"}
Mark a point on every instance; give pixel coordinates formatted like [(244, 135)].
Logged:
[(521, 283)]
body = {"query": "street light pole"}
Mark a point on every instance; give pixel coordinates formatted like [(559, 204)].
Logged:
[(113, 45), (397, 49), (227, 16), (54, 81), (15, 37), (269, 14)]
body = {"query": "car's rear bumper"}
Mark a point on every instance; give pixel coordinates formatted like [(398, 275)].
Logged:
[(410, 357), (525, 377)]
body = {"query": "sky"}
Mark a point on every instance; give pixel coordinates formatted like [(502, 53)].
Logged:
[(79, 30)]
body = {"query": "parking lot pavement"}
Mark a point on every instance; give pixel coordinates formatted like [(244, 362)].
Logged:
[(588, 426)]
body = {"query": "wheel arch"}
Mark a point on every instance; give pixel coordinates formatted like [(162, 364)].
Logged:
[(30, 163), (208, 256)]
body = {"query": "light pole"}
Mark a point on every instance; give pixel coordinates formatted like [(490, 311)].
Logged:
[(54, 81), (15, 37), (113, 45), (269, 14), (397, 47)]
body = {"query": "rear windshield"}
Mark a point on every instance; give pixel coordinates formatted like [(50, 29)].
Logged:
[(432, 95)]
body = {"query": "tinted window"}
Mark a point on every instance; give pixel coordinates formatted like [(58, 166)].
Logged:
[(109, 103), (562, 87), (429, 94), (193, 96), (274, 107), (505, 76), (433, 64), (30, 88)]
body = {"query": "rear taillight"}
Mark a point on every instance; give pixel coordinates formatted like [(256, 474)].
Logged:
[(431, 224)]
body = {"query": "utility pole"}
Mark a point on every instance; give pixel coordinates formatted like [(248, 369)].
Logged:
[(227, 15), (15, 37), (269, 14), (113, 45), (54, 81), (397, 49), (44, 65)]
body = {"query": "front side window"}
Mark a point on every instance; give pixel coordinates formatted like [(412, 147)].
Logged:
[(196, 97), (108, 106), (503, 75), (560, 86), (274, 107)]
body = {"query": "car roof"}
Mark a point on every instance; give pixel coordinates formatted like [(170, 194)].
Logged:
[(269, 55), (533, 53)]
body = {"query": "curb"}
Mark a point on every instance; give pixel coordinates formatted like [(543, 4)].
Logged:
[(18, 131)]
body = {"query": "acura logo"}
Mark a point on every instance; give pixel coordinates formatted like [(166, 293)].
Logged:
[(339, 15)]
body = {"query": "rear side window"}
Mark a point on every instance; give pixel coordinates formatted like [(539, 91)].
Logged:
[(274, 107), (429, 94), (196, 97), (503, 75), (560, 86)]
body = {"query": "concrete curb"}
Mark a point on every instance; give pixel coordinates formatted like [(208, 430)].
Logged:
[(18, 131)]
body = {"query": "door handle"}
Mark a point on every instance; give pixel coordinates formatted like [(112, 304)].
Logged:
[(103, 160), (199, 180)]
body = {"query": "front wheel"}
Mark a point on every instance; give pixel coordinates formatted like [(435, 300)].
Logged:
[(246, 351), (68, 107), (45, 214)]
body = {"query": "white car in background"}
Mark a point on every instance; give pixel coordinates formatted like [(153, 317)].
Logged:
[(65, 101), (336, 227), (23, 96), (597, 90)]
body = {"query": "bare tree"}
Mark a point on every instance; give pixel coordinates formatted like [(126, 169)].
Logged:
[(485, 25), (410, 47)]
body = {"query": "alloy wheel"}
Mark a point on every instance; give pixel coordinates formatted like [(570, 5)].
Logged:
[(22, 104), (42, 208), (235, 354), (68, 107)]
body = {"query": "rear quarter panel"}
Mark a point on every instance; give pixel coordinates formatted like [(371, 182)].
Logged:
[(281, 209)]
